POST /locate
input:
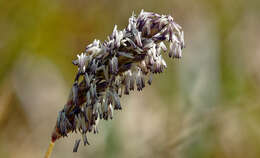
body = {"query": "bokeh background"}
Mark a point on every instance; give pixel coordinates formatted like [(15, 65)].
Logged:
[(205, 105)]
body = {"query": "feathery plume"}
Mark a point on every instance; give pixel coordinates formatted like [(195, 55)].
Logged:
[(124, 62)]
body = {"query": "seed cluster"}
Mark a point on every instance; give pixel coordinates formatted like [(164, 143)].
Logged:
[(126, 61)]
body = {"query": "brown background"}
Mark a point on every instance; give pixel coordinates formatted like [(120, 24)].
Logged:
[(205, 105)]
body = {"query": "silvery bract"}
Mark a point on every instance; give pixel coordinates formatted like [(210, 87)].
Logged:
[(124, 62)]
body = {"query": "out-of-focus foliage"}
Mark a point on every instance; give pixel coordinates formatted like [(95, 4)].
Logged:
[(205, 105)]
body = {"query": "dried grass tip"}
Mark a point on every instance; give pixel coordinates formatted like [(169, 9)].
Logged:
[(106, 71)]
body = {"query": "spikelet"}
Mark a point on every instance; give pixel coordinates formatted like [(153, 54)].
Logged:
[(106, 71)]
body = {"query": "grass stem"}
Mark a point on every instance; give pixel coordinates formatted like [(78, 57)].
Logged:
[(49, 151)]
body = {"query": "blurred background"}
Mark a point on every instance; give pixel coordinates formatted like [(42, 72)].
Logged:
[(205, 105)]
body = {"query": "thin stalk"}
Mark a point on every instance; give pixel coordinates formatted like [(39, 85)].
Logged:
[(49, 151)]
